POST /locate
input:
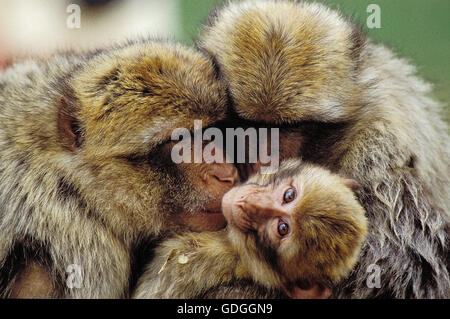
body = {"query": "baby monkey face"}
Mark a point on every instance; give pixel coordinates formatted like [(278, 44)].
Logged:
[(304, 221), (264, 209)]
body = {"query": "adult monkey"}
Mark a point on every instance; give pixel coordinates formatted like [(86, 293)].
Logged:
[(86, 172), (352, 106)]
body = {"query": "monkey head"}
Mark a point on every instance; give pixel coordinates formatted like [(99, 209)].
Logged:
[(117, 114), (291, 65), (303, 222), (196, 190), (285, 61)]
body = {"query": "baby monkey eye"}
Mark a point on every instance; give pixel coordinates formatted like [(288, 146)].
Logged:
[(283, 229), (289, 195)]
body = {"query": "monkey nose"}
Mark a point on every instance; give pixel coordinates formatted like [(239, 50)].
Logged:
[(260, 204), (225, 173)]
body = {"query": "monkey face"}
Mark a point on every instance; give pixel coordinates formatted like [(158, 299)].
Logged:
[(187, 196), (261, 222), (117, 120), (304, 221), (265, 210), (204, 186)]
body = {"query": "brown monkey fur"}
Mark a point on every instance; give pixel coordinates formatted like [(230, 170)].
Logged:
[(358, 110), (85, 171), (326, 229)]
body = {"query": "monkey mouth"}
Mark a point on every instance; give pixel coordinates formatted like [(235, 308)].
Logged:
[(212, 209)]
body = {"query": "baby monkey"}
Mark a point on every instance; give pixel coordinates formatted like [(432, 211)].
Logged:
[(299, 227)]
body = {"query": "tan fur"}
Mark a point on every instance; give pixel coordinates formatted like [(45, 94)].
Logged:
[(279, 49), (328, 226), (33, 283), (82, 175), (363, 113)]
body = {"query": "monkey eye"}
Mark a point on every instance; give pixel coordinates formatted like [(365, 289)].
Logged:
[(283, 229), (289, 195)]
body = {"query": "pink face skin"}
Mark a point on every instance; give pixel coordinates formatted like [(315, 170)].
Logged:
[(211, 180), (215, 179), (265, 209)]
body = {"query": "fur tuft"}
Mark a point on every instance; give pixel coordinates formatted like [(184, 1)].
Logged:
[(286, 61)]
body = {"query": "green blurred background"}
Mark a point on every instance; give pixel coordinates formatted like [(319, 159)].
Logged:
[(416, 29)]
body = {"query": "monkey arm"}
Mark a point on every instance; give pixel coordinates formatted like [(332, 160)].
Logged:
[(187, 266), (182, 269), (203, 265)]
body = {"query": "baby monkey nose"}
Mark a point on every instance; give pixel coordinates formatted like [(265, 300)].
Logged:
[(225, 173), (258, 202)]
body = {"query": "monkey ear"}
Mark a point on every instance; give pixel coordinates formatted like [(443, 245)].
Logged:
[(352, 184), (68, 125)]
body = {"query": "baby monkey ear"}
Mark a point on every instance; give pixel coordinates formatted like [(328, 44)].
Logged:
[(352, 184), (68, 125)]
